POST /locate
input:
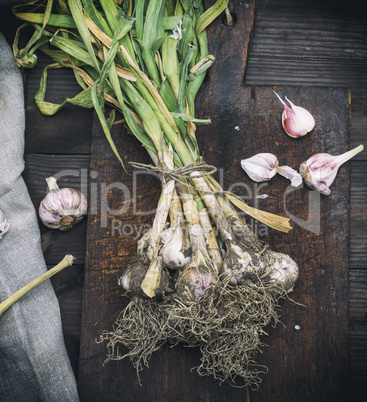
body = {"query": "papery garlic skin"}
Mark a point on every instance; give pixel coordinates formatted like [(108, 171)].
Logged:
[(296, 120), (134, 275), (282, 269), (320, 170), (4, 225), (176, 250), (62, 208), (260, 167), (264, 166), (291, 174)]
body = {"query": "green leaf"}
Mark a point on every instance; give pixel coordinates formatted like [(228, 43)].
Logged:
[(111, 118), (206, 64), (96, 17), (122, 29), (153, 37), (171, 22), (184, 68), (71, 48), (188, 34), (98, 106), (76, 10), (185, 117), (38, 35), (139, 23), (55, 20), (83, 99), (111, 13), (210, 15)]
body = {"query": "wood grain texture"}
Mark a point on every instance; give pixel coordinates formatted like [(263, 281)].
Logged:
[(358, 333), (313, 43), (358, 215), (68, 286), (301, 26), (69, 130), (309, 364), (313, 361)]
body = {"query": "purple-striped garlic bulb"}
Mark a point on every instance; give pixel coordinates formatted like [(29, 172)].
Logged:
[(319, 171), (62, 208)]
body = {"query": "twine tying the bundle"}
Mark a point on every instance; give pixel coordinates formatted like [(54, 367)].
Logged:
[(178, 174)]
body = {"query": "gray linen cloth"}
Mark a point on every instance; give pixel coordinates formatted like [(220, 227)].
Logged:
[(34, 365)]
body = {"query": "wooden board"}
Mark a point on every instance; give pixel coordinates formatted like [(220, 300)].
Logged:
[(306, 364)]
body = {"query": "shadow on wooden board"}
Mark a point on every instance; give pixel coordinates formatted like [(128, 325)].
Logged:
[(307, 355)]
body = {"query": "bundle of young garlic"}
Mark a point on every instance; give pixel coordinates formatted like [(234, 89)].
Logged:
[(201, 277)]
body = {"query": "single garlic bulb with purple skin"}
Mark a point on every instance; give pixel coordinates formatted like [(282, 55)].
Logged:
[(319, 171), (296, 120), (62, 208)]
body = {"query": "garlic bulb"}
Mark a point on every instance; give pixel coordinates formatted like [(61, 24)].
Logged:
[(176, 251), (195, 282), (264, 166), (296, 120), (240, 263), (62, 208), (320, 170), (4, 225), (282, 270), (133, 277)]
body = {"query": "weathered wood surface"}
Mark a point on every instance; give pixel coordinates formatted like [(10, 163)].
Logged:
[(311, 42), (303, 60), (308, 364)]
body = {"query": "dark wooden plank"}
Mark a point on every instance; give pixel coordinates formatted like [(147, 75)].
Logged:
[(322, 341), (320, 43), (337, 18), (358, 215), (358, 333), (169, 377), (309, 364), (69, 130), (72, 171), (8, 23), (68, 286)]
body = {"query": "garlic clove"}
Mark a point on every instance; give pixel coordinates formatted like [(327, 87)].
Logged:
[(296, 120), (260, 167), (62, 208), (304, 116), (4, 225), (291, 174), (319, 171)]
